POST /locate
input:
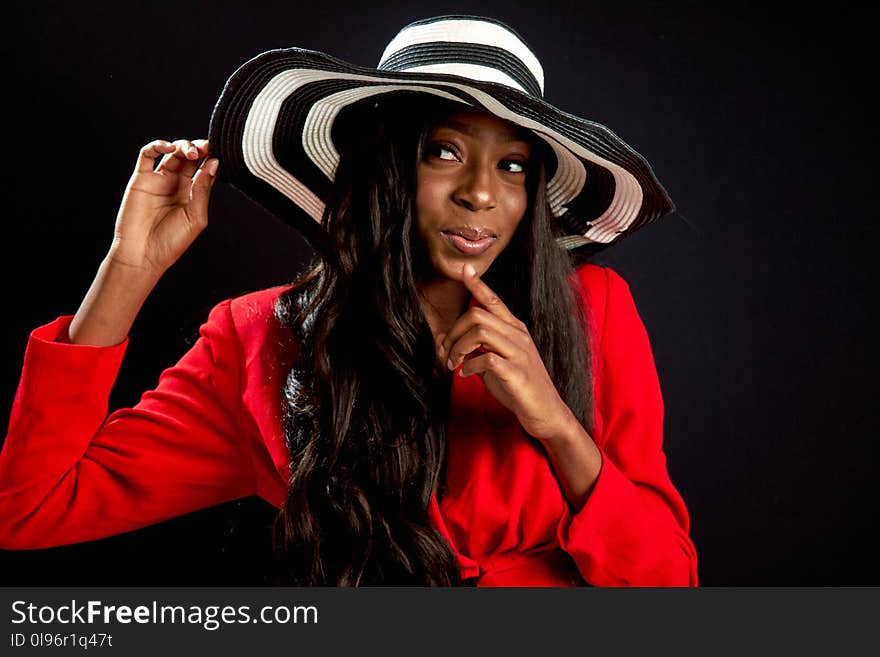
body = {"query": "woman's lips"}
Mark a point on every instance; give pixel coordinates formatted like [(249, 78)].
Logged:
[(469, 247)]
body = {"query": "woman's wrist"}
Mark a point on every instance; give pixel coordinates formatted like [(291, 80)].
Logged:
[(563, 430), (575, 459)]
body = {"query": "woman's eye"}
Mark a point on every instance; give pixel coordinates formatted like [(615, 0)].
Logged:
[(442, 151), (514, 166)]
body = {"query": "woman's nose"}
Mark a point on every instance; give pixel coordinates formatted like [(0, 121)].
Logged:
[(476, 189)]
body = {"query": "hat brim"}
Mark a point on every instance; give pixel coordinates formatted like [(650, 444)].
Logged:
[(272, 129)]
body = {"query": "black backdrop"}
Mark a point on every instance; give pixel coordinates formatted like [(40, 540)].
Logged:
[(755, 294)]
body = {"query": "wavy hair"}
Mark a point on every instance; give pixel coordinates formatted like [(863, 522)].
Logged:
[(365, 403)]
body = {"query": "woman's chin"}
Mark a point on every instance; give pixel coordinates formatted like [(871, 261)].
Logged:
[(447, 262), (451, 267)]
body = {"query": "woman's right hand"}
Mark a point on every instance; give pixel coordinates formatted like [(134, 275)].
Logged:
[(164, 209)]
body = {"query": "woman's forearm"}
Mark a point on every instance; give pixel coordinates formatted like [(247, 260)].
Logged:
[(110, 306)]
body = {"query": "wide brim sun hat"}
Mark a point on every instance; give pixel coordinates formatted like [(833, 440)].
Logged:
[(273, 126)]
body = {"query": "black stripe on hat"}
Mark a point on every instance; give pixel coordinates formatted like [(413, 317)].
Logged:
[(442, 52)]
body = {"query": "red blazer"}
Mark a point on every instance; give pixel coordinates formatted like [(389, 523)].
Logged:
[(211, 432)]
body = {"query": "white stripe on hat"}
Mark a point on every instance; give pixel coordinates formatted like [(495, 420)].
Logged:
[(259, 128), (473, 71), (461, 30)]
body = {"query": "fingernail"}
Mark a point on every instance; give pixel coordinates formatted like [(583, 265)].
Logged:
[(450, 364), (441, 351), (212, 167), (469, 270)]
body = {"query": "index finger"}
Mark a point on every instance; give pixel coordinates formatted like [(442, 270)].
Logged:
[(149, 153), (484, 294)]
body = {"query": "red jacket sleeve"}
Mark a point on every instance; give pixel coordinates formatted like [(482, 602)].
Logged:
[(633, 529), (68, 475)]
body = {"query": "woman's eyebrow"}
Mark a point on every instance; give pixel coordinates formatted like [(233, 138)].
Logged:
[(465, 129)]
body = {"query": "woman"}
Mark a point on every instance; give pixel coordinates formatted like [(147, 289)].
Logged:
[(444, 213)]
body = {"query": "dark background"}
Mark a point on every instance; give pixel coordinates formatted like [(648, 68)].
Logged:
[(757, 119)]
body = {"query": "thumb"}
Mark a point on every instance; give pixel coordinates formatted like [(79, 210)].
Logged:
[(202, 183)]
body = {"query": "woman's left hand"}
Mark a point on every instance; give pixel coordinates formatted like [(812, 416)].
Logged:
[(497, 346)]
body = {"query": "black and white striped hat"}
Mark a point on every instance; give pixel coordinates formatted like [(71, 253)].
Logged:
[(272, 125)]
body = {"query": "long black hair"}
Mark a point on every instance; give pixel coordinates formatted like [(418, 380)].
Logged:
[(365, 404)]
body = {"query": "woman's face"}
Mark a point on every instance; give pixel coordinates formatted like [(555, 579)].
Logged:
[(471, 191)]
